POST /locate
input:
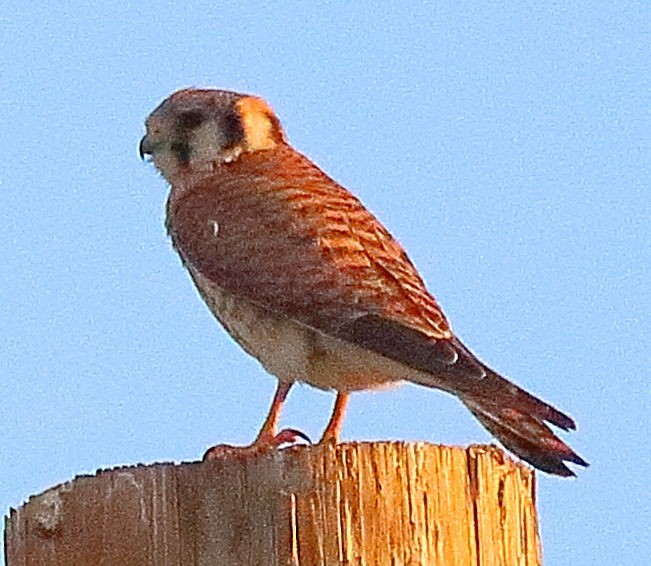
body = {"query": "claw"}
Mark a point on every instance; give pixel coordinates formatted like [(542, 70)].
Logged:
[(289, 436), (260, 446)]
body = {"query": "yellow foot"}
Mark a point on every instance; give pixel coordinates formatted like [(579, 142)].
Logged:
[(262, 444)]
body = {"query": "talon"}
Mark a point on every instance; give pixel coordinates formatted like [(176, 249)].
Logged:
[(289, 436), (261, 445)]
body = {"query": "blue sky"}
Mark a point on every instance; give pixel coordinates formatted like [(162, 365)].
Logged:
[(507, 147)]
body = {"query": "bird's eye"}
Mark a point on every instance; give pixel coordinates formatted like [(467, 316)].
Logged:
[(191, 119)]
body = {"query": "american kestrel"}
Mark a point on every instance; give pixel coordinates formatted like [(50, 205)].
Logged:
[(309, 282)]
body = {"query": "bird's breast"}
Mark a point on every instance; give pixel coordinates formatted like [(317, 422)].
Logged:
[(292, 351), (280, 345)]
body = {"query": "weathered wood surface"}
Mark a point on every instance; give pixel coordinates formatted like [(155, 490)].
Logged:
[(382, 503)]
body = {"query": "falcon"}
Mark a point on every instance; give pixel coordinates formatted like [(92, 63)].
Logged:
[(310, 283)]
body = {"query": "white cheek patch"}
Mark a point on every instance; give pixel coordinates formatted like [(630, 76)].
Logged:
[(206, 142), (209, 146)]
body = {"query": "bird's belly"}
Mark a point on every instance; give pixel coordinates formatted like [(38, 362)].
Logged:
[(294, 352)]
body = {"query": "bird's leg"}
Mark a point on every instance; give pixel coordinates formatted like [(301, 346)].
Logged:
[(267, 438), (331, 433)]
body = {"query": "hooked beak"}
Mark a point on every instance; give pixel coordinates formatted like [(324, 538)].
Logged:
[(146, 147)]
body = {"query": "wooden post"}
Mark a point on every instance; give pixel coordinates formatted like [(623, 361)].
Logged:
[(367, 504)]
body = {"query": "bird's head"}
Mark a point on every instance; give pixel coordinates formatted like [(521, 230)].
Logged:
[(195, 131)]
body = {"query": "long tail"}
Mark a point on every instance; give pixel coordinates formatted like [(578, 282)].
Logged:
[(517, 419)]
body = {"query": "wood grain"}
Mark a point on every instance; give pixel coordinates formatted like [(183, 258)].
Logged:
[(382, 503)]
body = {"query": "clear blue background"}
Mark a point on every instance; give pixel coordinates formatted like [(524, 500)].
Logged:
[(507, 147)]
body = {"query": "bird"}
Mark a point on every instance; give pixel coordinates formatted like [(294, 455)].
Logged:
[(310, 283)]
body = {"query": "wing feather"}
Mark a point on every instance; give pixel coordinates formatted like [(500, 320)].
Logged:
[(306, 248)]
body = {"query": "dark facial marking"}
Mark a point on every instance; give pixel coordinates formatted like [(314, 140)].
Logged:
[(181, 149), (190, 120), (232, 128), (185, 123), (230, 125)]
